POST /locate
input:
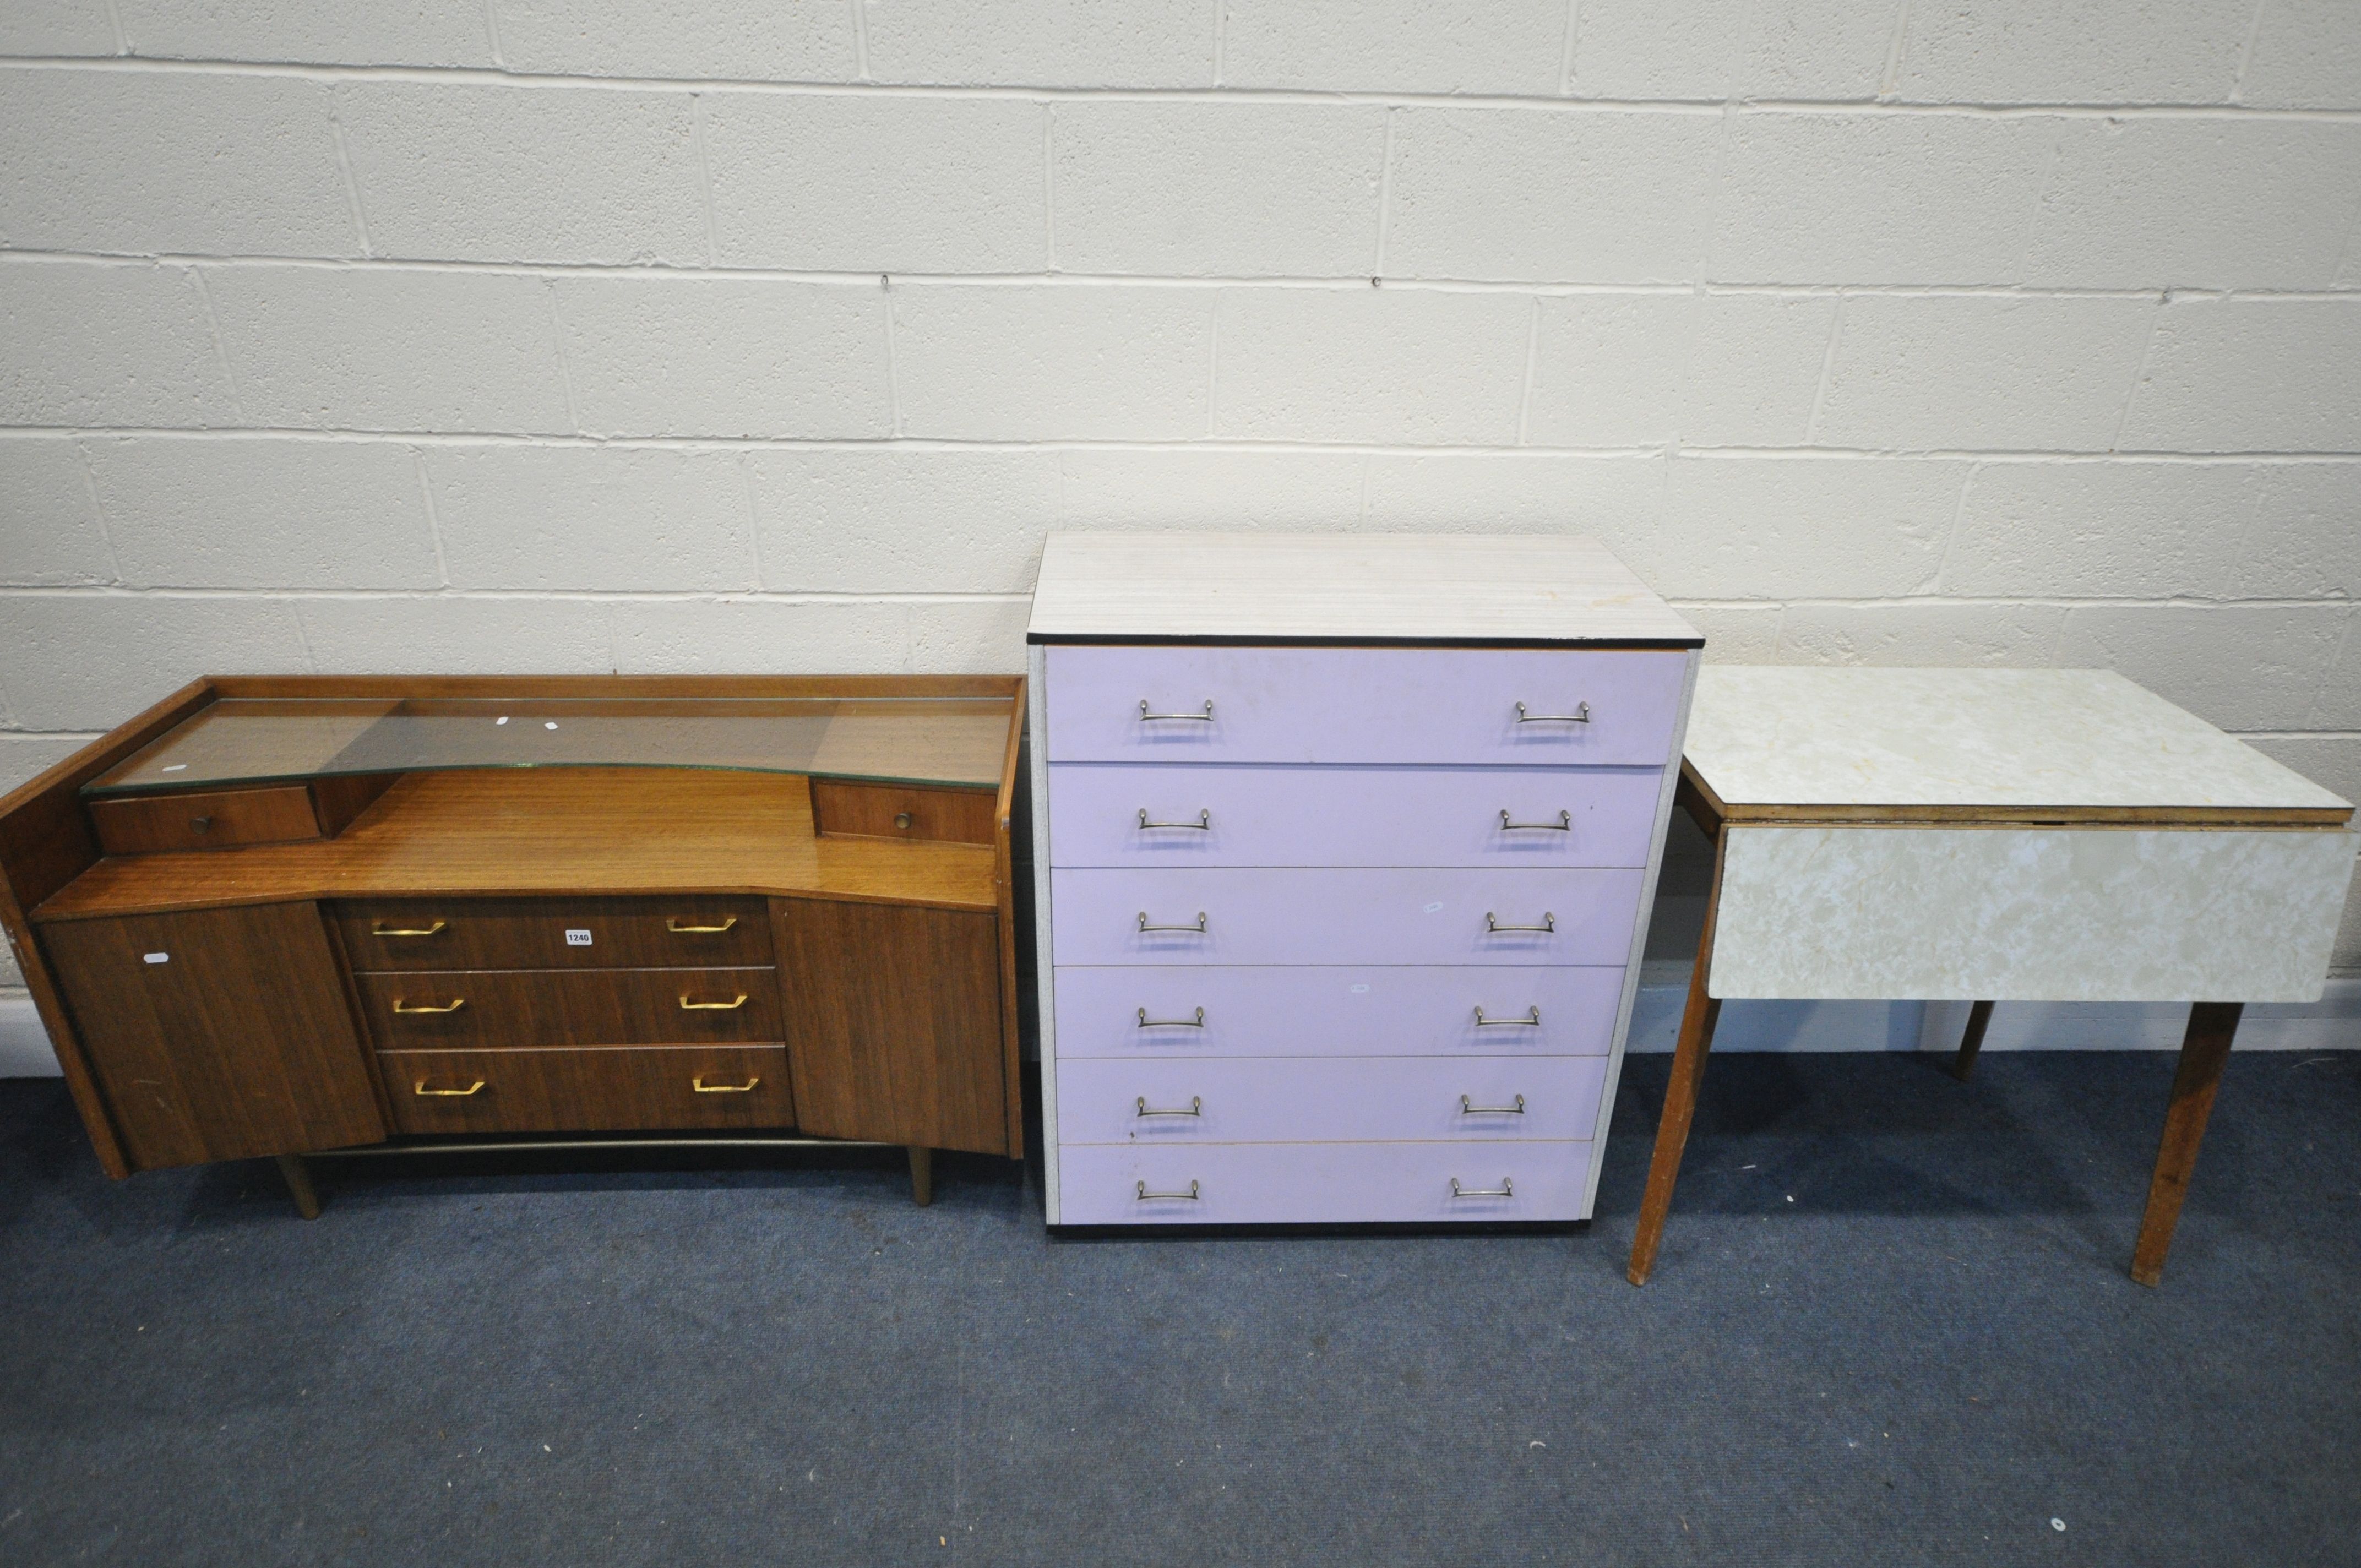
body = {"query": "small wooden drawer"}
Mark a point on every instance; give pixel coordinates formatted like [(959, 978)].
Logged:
[(597, 1090), (215, 820), (502, 1009), (544, 933), (846, 810)]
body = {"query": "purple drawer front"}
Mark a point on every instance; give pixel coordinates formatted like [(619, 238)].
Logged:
[(1246, 1184), (1391, 916), (1350, 816), (1363, 705), (1334, 1011), (1273, 1099)]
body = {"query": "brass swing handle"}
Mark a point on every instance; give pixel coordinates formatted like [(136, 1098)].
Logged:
[(408, 930), (399, 1005), (702, 1087), (419, 1088), (731, 1006), (674, 924)]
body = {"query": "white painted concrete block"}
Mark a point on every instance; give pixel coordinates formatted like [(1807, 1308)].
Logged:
[(1512, 195), (497, 173), (2036, 52), (877, 184), (901, 521), (968, 636), (726, 356), (108, 343), (1803, 527), (1513, 46), (2103, 529), (2251, 376), (743, 40), (1197, 189), (208, 513), (2197, 203), (148, 164), (343, 32), (1617, 501), (1704, 369), (1717, 50), (2018, 636), (2339, 704), (1360, 364), (2235, 666), (616, 520), (762, 636), (2304, 538), (2306, 55), (444, 635), (49, 532), (316, 348), (994, 363), (23, 757), (1042, 43), (1857, 198), (88, 661), (1734, 634), (2044, 373), (1311, 491), (56, 27)]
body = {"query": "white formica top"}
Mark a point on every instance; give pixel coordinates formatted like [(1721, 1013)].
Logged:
[(1278, 587), (1788, 735)]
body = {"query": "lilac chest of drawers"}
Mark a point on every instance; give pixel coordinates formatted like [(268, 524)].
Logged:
[(1344, 851)]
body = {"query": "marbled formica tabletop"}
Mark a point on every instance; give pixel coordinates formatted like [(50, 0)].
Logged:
[(2012, 834), (1762, 735)]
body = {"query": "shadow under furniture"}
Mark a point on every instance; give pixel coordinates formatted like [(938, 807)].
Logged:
[(290, 917)]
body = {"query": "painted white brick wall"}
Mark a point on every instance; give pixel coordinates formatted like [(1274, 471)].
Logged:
[(687, 334)]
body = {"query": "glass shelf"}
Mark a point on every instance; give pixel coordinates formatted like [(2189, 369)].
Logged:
[(254, 740)]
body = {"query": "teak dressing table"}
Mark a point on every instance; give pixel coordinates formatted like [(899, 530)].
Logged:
[(287, 915)]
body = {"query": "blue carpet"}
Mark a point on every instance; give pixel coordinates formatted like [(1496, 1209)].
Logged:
[(1890, 1325)]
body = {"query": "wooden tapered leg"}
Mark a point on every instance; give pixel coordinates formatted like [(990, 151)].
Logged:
[(2204, 1051), (298, 1176), (1673, 1132), (922, 1175), (1972, 1041)]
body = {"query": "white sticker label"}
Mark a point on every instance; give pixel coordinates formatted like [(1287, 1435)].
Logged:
[(1360, 990), (578, 939), (1433, 907), (176, 767), (157, 957)]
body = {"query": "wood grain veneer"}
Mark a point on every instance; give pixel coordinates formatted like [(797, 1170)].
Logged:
[(844, 810), (499, 1008), (235, 1042), (205, 819), (531, 933), (622, 1088)]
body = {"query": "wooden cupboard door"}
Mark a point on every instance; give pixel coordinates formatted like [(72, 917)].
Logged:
[(893, 1016), (217, 1034)]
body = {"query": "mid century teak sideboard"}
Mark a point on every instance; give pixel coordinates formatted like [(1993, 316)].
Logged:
[(283, 916)]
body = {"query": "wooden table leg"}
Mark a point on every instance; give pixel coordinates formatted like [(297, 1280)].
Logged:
[(2203, 1052), (1972, 1041), (922, 1175), (298, 1176), (1697, 1019)]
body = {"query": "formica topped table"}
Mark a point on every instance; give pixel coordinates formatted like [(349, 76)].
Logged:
[(1983, 834)]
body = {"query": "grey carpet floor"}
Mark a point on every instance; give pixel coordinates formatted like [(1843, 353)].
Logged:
[(1891, 1326)]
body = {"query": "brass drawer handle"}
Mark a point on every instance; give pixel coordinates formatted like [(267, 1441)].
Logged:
[(1532, 1020), (1564, 824), (1204, 718), (1467, 1109), (419, 1088), (674, 924), (1581, 715), (1144, 1195), (408, 930), (1199, 928), (1492, 924), (1507, 1189), (1204, 823), (1147, 1023), (1196, 1107), (688, 1006), (702, 1087), (402, 1006)]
